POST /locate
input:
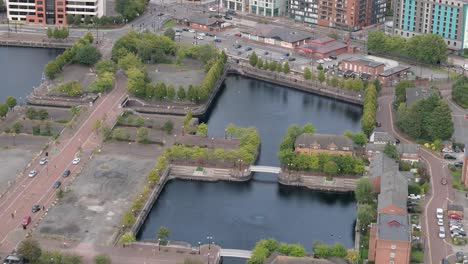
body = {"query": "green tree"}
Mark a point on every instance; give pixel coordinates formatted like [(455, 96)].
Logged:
[(202, 129), (163, 233), (171, 92), (102, 259), (360, 138), (49, 32), (321, 250), (87, 55), (259, 63), (77, 20), (363, 191), (330, 168), (321, 76), (16, 127), (142, 135), (103, 83), (338, 250), (128, 237), (308, 128), (334, 81), (87, 20), (400, 91), (42, 114), (286, 68), (168, 126), (253, 59), (272, 66), (307, 73), (366, 215), (320, 67), (30, 250), (70, 19), (376, 41), (427, 48), (3, 110), (105, 65), (181, 93), (170, 33), (128, 219), (391, 151), (440, 124), (460, 91), (279, 67), (51, 69)]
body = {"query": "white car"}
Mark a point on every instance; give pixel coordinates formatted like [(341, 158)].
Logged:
[(440, 222), (321, 61), (177, 34), (441, 232), (212, 9), (439, 213), (191, 30), (43, 161), (76, 161), (327, 59), (414, 197), (201, 34), (32, 173), (200, 37)]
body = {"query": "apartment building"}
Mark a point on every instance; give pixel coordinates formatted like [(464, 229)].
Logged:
[(237, 5), (346, 14), (52, 12), (269, 8), (444, 18)]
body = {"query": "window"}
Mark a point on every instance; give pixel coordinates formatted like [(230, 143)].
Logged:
[(392, 255), (393, 246), (60, 3)]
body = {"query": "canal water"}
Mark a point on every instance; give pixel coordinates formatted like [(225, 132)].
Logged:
[(237, 215), (21, 69)]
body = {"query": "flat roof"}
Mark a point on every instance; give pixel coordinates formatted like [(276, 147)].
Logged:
[(394, 70)]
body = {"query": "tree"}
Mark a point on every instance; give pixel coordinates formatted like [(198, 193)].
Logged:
[(105, 65), (440, 124), (259, 63), (253, 59), (16, 127), (102, 259), (128, 219), (307, 73), (320, 67), (49, 32), (42, 114), (352, 255), (3, 110), (168, 126), (338, 250), (366, 215), (128, 237), (400, 91), (181, 93), (202, 129), (360, 138), (142, 135), (330, 168), (286, 68), (163, 233), (70, 19), (321, 76), (30, 250), (170, 92), (51, 69), (391, 151), (279, 67), (460, 91), (363, 191), (308, 128), (77, 20), (170, 33), (87, 55)]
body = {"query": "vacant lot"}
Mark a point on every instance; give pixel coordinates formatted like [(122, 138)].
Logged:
[(190, 73), (92, 207)]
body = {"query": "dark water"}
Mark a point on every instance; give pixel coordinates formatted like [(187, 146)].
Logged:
[(21, 69), (239, 214)]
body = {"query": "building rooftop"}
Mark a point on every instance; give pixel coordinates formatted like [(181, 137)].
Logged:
[(382, 137), (324, 141), (417, 93), (393, 227), (324, 48), (279, 33), (407, 148), (277, 259), (394, 70), (454, 207), (367, 62), (380, 164)]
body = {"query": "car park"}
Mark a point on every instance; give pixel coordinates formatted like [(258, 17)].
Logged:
[(66, 173), (36, 208), (57, 184), (441, 232), (450, 157), (440, 213), (76, 161), (32, 173), (43, 161)]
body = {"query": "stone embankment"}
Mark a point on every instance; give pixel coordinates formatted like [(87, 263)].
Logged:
[(34, 41), (57, 101), (207, 174), (320, 183)]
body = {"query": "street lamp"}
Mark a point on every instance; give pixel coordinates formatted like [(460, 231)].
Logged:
[(209, 241), (199, 245), (159, 244)]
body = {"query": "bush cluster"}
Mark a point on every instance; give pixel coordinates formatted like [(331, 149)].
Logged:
[(370, 109), (265, 247), (105, 77), (460, 92), (72, 88)]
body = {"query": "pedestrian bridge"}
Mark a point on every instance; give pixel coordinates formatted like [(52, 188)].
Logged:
[(267, 169), (235, 253)]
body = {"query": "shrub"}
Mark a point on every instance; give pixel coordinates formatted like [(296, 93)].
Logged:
[(72, 88), (87, 55)]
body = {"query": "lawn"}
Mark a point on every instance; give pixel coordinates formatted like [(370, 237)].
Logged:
[(170, 23), (456, 179)]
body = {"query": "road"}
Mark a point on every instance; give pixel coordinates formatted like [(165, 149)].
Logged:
[(19, 200), (437, 197)]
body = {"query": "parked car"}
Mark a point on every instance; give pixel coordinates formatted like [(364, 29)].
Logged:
[(186, 29), (237, 46), (178, 30), (266, 53), (248, 49), (217, 40), (412, 203), (26, 221), (458, 164), (231, 12), (327, 59), (378, 124), (13, 259), (450, 157), (455, 216), (287, 54), (191, 30), (414, 197), (43, 161), (439, 213), (213, 9), (440, 221), (333, 57), (228, 17), (320, 61), (210, 34), (239, 53), (291, 59), (201, 34), (238, 35), (66, 173), (177, 34), (76, 161), (32, 173), (397, 141), (200, 37), (36, 208), (441, 232), (57, 184)]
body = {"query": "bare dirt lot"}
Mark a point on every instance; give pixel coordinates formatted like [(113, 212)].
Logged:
[(92, 207), (15, 158), (73, 72), (190, 73)]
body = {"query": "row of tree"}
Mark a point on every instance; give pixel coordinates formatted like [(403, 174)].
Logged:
[(93, 20), (337, 250), (370, 109), (57, 33), (10, 102), (265, 247), (427, 119), (105, 76), (256, 61), (460, 92), (130, 9), (82, 52), (425, 48)]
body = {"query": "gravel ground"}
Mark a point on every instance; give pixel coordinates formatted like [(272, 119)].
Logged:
[(15, 158), (177, 75), (92, 207)]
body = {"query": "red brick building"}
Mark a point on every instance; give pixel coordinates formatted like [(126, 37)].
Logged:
[(323, 143), (363, 66), (323, 47), (352, 14)]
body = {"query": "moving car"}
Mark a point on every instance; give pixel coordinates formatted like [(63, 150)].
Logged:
[(321, 61), (26, 221), (439, 213), (443, 181), (36, 208), (441, 232), (291, 59), (32, 173), (57, 184), (76, 161), (43, 161), (238, 35), (160, 14), (266, 53), (237, 46), (13, 259), (66, 173), (217, 40)]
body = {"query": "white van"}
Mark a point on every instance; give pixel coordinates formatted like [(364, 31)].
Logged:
[(439, 213)]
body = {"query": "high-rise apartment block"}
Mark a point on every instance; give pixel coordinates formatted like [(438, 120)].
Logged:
[(447, 19), (52, 12), (344, 14)]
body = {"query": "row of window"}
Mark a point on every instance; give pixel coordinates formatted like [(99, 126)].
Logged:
[(21, 7)]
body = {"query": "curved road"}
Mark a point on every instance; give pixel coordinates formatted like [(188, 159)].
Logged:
[(435, 248), (26, 192)]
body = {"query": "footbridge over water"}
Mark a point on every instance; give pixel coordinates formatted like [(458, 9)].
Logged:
[(235, 253), (267, 169)]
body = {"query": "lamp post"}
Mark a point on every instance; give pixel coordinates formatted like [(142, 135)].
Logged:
[(209, 238), (225, 133), (159, 244), (199, 245)]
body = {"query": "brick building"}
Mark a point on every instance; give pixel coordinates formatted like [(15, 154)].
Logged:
[(278, 36), (323, 47), (363, 66), (323, 143)]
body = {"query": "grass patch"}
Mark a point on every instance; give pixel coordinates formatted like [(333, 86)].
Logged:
[(62, 121), (456, 179), (170, 23)]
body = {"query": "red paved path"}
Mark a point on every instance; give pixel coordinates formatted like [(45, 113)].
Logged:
[(38, 190)]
